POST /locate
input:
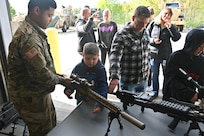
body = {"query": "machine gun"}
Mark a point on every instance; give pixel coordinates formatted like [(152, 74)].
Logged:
[(180, 111), (83, 87)]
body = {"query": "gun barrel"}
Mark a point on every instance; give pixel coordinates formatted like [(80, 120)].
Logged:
[(116, 109), (134, 121), (111, 106)]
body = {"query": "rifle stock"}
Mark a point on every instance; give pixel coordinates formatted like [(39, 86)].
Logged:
[(83, 87)]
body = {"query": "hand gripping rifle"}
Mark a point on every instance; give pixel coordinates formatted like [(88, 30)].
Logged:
[(83, 87), (180, 111), (200, 88)]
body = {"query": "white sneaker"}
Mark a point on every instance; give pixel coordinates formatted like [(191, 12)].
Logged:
[(149, 91)]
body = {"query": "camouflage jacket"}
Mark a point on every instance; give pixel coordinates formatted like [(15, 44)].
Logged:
[(31, 69)]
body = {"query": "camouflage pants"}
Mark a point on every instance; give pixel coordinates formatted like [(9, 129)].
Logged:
[(38, 113)]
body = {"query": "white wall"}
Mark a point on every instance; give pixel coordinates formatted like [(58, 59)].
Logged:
[(6, 37)]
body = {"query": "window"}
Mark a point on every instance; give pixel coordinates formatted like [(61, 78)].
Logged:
[(174, 5)]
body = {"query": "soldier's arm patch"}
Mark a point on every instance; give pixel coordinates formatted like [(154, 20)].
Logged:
[(32, 53)]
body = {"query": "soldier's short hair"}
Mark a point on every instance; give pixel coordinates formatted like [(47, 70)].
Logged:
[(42, 4), (90, 48), (142, 11), (87, 6)]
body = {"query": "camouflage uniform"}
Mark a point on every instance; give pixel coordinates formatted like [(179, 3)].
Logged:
[(32, 77)]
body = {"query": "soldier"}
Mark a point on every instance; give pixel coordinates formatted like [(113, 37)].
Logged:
[(31, 72)]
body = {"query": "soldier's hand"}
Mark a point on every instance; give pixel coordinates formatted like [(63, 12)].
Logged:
[(61, 75), (68, 93), (67, 82)]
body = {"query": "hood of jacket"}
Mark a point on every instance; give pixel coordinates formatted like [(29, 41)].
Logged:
[(194, 39)]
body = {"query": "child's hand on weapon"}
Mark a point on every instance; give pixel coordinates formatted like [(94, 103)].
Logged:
[(96, 109)]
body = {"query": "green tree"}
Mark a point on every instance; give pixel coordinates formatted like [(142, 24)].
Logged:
[(194, 12), (12, 11), (114, 6), (122, 12)]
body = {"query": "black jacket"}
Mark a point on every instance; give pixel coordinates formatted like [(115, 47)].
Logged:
[(163, 50), (85, 33), (175, 83)]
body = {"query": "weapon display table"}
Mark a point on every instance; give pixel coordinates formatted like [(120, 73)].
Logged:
[(82, 122)]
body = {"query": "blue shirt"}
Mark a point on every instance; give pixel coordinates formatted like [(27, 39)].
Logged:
[(96, 74)]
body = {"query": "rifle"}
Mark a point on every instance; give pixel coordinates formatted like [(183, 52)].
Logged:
[(195, 83), (83, 87), (180, 111)]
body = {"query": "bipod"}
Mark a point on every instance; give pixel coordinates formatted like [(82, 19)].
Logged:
[(194, 125), (111, 116)]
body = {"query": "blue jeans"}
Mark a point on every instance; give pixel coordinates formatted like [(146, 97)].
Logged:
[(135, 88), (155, 65)]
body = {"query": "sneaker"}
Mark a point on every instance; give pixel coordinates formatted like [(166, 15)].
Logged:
[(148, 89), (155, 95)]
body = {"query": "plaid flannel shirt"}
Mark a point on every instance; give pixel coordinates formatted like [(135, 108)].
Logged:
[(129, 58)]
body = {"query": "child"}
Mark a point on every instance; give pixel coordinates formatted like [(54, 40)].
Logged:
[(91, 69)]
